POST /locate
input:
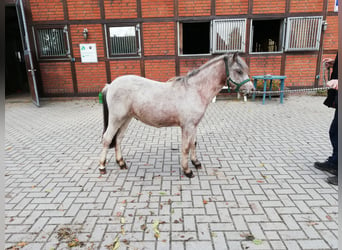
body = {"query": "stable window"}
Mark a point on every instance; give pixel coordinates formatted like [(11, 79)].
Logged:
[(229, 35), (124, 41), (194, 38), (303, 33), (267, 35), (52, 42)]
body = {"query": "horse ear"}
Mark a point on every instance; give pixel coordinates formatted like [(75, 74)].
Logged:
[(235, 55)]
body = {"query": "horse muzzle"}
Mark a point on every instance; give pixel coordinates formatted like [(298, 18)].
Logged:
[(247, 88)]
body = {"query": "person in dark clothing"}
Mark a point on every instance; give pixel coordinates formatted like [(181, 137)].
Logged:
[(330, 165)]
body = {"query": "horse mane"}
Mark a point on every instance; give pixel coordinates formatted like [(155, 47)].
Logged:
[(184, 79), (207, 64)]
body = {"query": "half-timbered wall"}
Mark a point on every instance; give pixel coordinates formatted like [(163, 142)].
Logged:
[(158, 27)]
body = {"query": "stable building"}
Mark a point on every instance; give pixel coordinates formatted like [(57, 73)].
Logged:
[(61, 48)]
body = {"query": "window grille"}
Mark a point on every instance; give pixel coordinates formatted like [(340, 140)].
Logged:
[(229, 35), (52, 42), (123, 40), (303, 33)]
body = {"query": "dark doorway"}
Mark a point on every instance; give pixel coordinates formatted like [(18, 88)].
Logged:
[(267, 35), (15, 72), (196, 38)]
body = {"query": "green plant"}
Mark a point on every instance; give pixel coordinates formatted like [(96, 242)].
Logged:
[(275, 85)]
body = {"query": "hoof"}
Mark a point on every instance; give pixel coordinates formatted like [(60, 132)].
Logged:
[(190, 175), (197, 164), (124, 166), (122, 163), (103, 171)]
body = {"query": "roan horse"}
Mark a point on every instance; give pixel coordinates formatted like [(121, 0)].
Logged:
[(181, 101)]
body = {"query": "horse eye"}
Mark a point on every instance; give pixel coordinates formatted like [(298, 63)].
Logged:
[(239, 72)]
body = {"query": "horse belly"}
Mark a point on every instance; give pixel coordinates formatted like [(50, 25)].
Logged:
[(156, 117)]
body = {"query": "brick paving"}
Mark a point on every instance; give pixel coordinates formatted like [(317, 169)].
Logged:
[(257, 188)]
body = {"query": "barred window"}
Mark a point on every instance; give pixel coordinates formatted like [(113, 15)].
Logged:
[(303, 33), (124, 41), (52, 42), (229, 35)]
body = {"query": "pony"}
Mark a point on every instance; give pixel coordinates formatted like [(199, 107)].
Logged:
[(181, 101)]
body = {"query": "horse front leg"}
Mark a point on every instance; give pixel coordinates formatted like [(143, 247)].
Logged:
[(193, 156), (188, 134)]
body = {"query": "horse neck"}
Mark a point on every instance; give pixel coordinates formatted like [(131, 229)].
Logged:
[(210, 80)]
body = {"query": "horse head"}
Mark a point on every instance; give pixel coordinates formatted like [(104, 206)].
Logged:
[(237, 74)]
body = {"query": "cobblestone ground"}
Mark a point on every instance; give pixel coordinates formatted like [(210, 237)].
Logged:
[(257, 188)]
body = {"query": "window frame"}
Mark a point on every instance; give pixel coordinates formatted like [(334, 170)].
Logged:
[(243, 35), (66, 40), (282, 34), (289, 29), (137, 37), (180, 37)]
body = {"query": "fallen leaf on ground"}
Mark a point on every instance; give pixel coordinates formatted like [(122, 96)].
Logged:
[(249, 237), (22, 244), (116, 243), (156, 229), (257, 242), (74, 243), (329, 217), (122, 220)]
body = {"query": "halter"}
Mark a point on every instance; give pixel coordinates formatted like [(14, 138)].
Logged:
[(229, 79)]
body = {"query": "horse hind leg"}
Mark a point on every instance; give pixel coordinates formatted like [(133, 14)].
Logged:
[(107, 138), (119, 137)]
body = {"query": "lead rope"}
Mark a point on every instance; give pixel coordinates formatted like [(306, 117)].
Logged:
[(289, 91)]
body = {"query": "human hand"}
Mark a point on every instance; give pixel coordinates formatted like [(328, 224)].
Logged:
[(328, 62), (333, 84)]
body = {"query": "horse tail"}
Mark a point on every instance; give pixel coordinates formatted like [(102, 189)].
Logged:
[(106, 114)]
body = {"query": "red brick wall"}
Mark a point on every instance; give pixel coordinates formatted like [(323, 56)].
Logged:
[(263, 65), (300, 70), (331, 5), (159, 38), (187, 65), (47, 10), (83, 9), (331, 34), (119, 68), (95, 35), (194, 8), (120, 9), (56, 77), (155, 8), (262, 6), (160, 70), (231, 7), (91, 77), (307, 5)]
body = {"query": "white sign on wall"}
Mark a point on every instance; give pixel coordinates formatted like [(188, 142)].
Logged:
[(88, 52), (336, 6)]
